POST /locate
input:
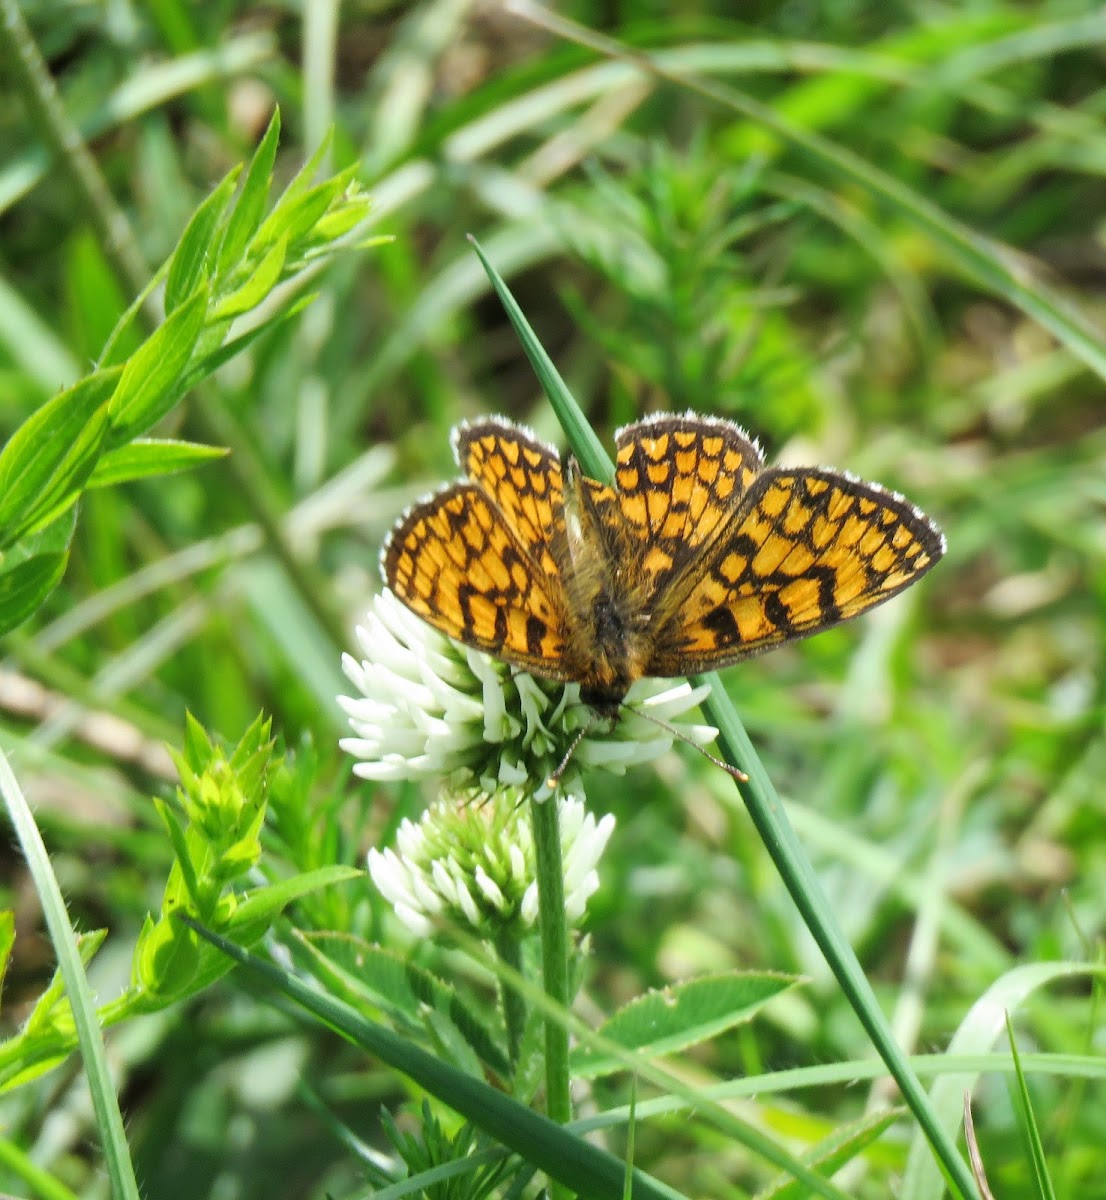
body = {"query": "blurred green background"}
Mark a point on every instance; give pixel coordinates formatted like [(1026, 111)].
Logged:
[(945, 756)]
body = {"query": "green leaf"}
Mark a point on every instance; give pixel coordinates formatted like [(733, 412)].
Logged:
[(150, 456), (26, 586), (246, 216), (295, 218), (261, 907), (147, 390), (52, 1012), (301, 181), (52, 452), (187, 266), (70, 480), (167, 959), (260, 283), (833, 1152), (683, 1015), (50, 536), (345, 217)]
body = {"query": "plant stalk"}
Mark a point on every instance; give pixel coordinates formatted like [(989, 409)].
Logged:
[(545, 824)]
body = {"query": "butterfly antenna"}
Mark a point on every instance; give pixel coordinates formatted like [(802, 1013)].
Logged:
[(562, 766), (729, 768)]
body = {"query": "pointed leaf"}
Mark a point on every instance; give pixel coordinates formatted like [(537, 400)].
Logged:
[(294, 218), (51, 1012), (150, 456), (404, 991), (187, 266), (26, 586), (261, 282), (831, 1154), (246, 216), (147, 389), (261, 907), (54, 448), (69, 480), (1023, 1105)]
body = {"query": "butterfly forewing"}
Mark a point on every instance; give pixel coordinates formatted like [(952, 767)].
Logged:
[(679, 478), (806, 549), (456, 562), (522, 475)]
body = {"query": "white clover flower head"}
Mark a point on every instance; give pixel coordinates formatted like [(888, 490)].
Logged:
[(430, 707), (470, 860)]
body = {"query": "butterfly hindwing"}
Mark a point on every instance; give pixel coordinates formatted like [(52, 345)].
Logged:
[(455, 562), (806, 549)]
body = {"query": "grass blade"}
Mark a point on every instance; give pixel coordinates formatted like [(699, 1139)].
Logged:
[(89, 1034), (1024, 1106)]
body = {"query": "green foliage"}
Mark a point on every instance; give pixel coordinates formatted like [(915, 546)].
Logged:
[(1028, 1121), (434, 1147), (872, 235), (214, 828), (223, 267), (842, 1146), (672, 238), (414, 1000)]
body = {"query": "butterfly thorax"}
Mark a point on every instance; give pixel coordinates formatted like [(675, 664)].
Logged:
[(609, 654), (609, 645)]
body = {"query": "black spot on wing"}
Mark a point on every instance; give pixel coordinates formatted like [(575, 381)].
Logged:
[(536, 629), (720, 621)]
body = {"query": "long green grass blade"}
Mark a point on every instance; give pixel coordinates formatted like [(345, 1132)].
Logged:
[(104, 1101), (1024, 1105)]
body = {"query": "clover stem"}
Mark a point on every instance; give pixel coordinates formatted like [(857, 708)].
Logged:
[(545, 823)]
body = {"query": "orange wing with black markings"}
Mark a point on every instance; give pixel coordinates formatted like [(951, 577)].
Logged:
[(679, 479), (805, 550), (455, 562), (522, 475)]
